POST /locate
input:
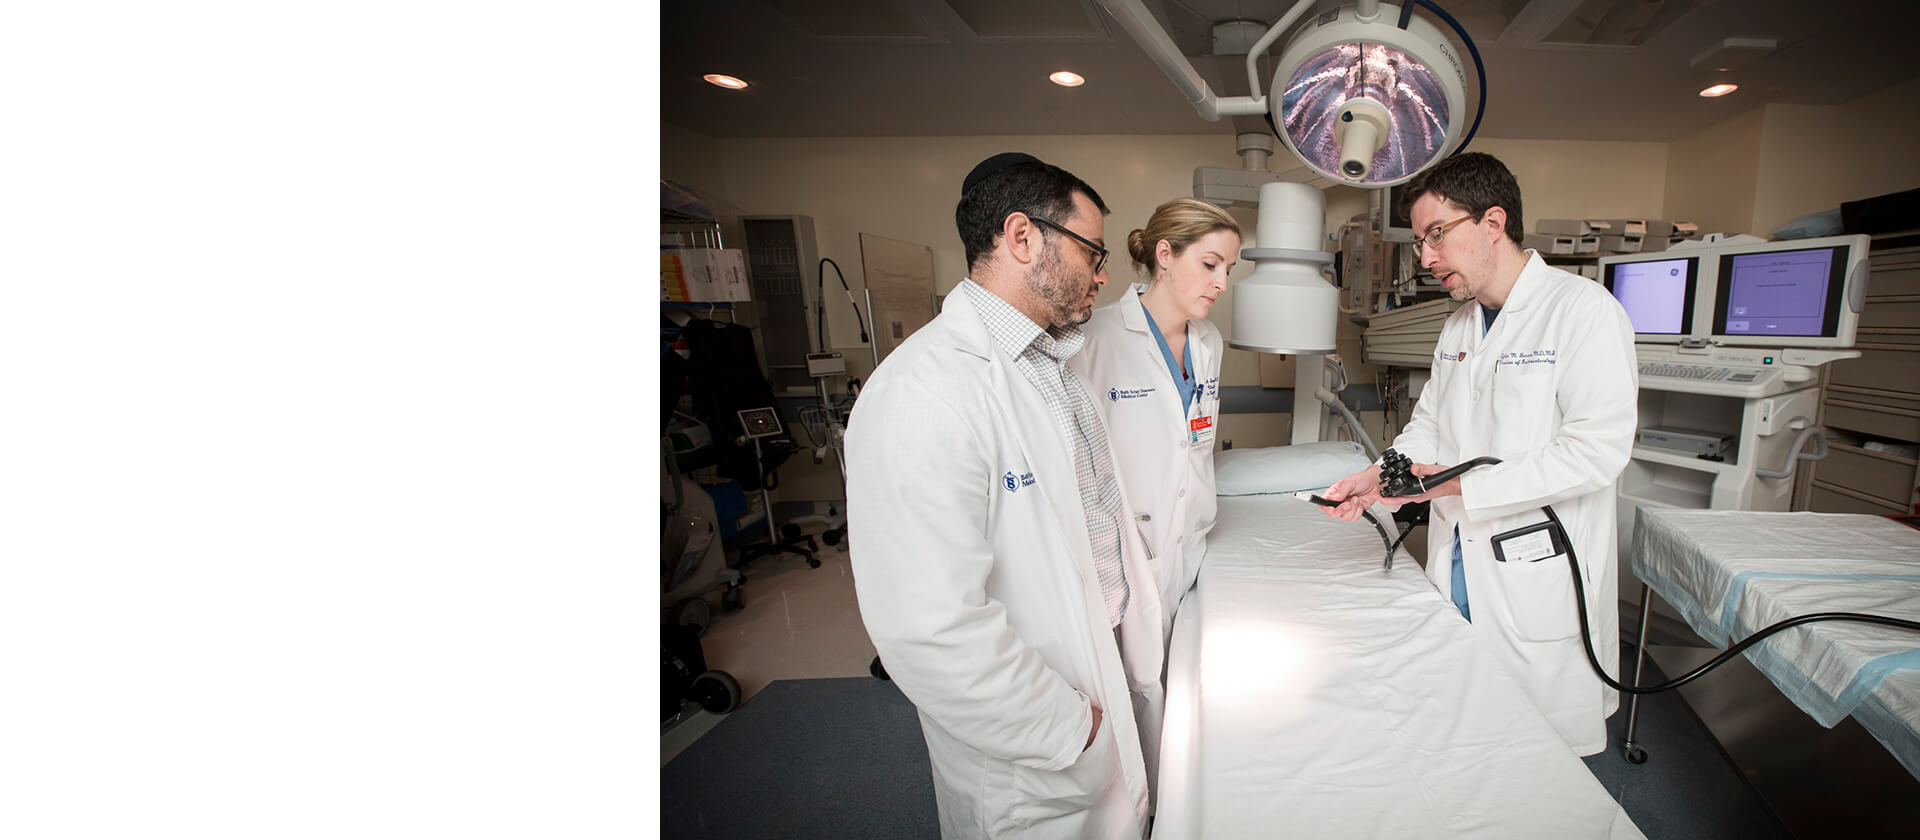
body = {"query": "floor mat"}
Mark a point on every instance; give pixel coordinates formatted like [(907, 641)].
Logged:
[(805, 759)]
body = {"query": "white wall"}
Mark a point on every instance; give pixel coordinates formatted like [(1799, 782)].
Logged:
[(1794, 170), (1773, 164), (1584, 179), (1874, 141), (1711, 174)]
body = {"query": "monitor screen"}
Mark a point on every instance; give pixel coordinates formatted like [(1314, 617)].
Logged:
[(1657, 294), (1395, 226), (1781, 293)]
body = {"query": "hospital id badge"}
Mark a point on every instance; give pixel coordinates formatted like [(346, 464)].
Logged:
[(1200, 431)]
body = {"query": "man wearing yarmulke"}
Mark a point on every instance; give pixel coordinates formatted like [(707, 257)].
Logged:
[(995, 573)]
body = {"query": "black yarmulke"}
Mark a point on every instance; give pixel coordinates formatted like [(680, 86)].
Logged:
[(994, 164)]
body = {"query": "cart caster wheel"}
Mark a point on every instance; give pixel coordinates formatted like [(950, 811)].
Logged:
[(733, 601), (832, 536), (789, 532), (813, 562), (716, 691), (878, 670), (1633, 754), (695, 613)]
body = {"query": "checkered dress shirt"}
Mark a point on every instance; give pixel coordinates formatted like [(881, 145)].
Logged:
[(1040, 356)]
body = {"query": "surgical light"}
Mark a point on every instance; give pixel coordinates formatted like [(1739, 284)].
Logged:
[(1366, 103)]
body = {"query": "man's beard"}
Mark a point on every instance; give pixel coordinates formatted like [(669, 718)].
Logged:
[(1063, 294)]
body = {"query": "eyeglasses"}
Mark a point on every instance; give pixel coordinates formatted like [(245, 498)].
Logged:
[(1433, 237), (1099, 253)]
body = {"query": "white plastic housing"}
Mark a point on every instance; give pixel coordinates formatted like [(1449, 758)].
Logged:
[(1285, 306)]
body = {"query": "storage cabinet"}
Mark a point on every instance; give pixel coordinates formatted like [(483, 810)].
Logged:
[(1876, 398)]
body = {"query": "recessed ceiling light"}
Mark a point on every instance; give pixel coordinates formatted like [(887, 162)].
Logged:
[(1721, 89), (725, 81), (1067, 78)]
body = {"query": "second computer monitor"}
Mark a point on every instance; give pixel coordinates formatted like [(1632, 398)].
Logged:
[(1658, 292), (1791, 294)]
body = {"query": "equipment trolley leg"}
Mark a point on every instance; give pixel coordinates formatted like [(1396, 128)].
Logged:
[(1628, 749)]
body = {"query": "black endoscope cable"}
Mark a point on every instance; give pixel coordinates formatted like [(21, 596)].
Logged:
[(820, 314), (1580, 593), (1580, 601)]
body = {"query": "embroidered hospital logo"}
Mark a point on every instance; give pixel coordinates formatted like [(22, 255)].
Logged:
[(1113, 394), (1014, 483), (1453, 357)]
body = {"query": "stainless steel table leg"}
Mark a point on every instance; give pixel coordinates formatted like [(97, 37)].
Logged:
[(1628, 749)]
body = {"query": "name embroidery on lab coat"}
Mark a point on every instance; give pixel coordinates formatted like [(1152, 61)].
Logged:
[(1118, 394), (1014, 483), (1544, 356)]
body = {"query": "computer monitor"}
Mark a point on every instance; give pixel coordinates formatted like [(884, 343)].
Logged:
[(1798, 293), (1660, 293), (1395, 224)]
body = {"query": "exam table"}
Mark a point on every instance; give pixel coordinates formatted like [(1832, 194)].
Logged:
[(1312, 694), (1729, 573)]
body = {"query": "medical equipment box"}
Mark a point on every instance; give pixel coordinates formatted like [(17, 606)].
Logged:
[(1552, 244), (1573, 227), (1690, 441), (825, 364)]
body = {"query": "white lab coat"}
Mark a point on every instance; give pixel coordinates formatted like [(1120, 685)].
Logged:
[(1167, 478), (1551, 390), (977, 585)]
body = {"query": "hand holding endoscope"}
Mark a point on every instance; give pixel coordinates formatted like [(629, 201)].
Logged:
[(1398, 481)]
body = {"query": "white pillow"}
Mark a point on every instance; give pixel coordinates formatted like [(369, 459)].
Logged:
[(1286, 469)]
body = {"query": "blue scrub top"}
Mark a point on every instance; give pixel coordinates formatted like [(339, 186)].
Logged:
[(1182, 379)]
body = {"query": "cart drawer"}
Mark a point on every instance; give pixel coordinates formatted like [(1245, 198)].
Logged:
[(1890, 314), (1827, 498), (1892, 423), (1882, 366), (1865, 471), (1898, 277)]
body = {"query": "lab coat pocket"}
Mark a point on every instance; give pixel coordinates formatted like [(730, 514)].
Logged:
[(1540, 594), (1044, 796), (1146, 536), (1524, 399)]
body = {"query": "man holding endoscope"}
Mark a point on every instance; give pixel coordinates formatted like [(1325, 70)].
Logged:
[(1537, 371)]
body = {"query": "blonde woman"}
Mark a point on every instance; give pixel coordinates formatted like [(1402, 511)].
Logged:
[(1152, 361)]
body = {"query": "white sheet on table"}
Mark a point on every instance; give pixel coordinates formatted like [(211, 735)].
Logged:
[(1733, 572), (1312, 694), (1890, 714), (1730, 573)]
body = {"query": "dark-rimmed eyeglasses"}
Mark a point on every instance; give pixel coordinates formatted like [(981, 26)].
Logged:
[(1099, 253), (1433, 237)]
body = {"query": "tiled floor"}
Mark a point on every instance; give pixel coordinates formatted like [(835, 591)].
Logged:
[(798, 623)]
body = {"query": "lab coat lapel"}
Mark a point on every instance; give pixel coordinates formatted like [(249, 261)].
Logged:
[(1199, 357), (1134, 315)]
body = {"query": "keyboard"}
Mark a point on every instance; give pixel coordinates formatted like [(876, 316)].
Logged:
[(1710, 379), (1698, 373)]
